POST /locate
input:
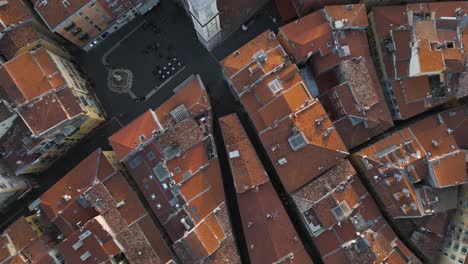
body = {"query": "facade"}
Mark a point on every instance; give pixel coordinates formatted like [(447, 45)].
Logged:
[(269, 233), (11, 186), (46, 109), (346, 223), (455, 246), (294, 128), (20, 31), (171, 155), (86, 23), (420, 45), (98, 218), (415, 171), (332, 44)]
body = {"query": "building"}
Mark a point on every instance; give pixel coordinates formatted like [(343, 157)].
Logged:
[(345, 222), (46, 109), (420, 45), (415, 171), (86, 23), (20, 31), (11, 186), (99, 218), (19, 243), (268, 231), (294, 128), (215, 20), (291, 9), (331, 44), (457, 121), (171, 155)]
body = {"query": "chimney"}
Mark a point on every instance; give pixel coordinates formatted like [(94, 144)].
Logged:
[(390, 181), (182, 221), (399, 195), (435, 143), (66, 197)]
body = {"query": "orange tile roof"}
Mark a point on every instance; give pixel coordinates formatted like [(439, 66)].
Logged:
[(332, 231), (457, 120), (268, 231), (137, 132), (300, 41), (13, 13), (302, 166), (246, 168), (18, 38), (30, 75)]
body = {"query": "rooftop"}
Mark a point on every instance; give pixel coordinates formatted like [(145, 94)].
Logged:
[(16, 39), (294, 143), (457, 120), (344, 220), (171, 155), (425, 152), (100, 216), (54, 12), (12, 13), (30, 75)]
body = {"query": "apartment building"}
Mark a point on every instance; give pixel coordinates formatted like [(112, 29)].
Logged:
[(292, 9), (47, 108), (268, 231), (98, 218), (420, 46), (86, 23), (294, 128), (171, 155), (345, 222), (20, 31), (331, 46)]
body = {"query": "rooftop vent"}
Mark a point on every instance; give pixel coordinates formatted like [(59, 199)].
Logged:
[(66, 3), (180, 113), (435, 143), (234, 154), (260, 56), (344, 51), (339, 23), (297, 141), (328, 132), (66, 197), (161, 171), (282, 161)]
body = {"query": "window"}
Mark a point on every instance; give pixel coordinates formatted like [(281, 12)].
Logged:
[(135, 162), (150, 156), (180, 113), (177, 170), (297, 141), (341, 211), (161, 171), (275, 86), (142, 138), (84, 101), (65, 3), (3, 186)]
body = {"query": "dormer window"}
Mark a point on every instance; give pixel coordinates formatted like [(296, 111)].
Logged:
[(180, 113), (297, 141), (275, 86)]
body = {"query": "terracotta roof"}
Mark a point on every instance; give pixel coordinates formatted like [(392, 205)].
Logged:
[(254, 61), (345, 221), (246, 168), (137, 132), (101, 216), (436, 50), (457, 120), (51, 110), (354, 16), (54, 12), (269, 233), (296, 168), (13, 13), (306, 36), (30, 75), (16, 39)]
